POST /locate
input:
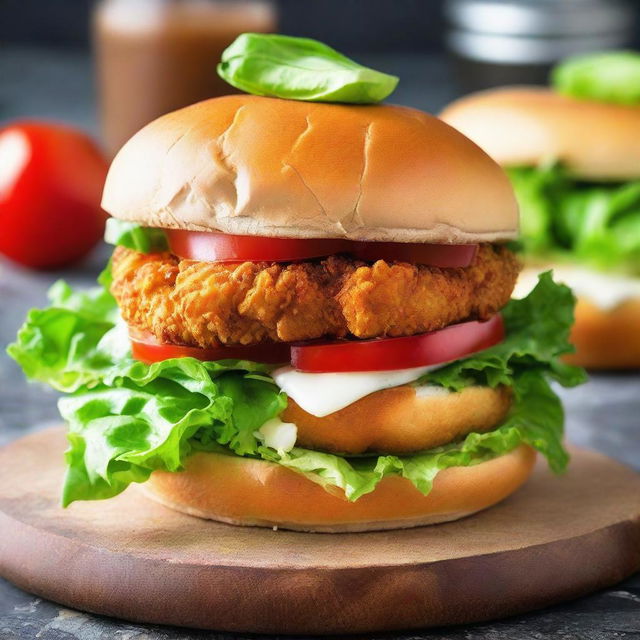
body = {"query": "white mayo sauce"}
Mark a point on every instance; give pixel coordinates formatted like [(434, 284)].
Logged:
[(323, 393)]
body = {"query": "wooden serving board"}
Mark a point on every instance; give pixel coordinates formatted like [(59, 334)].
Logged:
[(131, 558)]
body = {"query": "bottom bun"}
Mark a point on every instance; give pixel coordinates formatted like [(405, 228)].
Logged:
[(606, 339), (245, 491)]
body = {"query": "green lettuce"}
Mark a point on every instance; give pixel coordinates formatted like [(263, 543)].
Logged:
[(133, 236), (596, 224), (537, 332), (127, 419), (152, 417), (62, 345)]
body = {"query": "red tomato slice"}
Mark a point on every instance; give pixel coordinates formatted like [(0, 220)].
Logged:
[(208, 246), (434, 255), (379, 354), (51, 180), (146, 349), (436, 347)]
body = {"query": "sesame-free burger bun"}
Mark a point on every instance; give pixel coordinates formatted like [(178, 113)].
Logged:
[(401, 420), (528, 126), (606, 338), (248, 491), (251, 165)]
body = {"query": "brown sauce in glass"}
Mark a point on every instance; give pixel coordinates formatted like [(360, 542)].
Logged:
[(155, 56)]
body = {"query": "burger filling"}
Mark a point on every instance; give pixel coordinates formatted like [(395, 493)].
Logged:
[(591, 230), (344, 361)]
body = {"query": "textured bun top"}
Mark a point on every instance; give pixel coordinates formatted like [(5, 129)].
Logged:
[(529, 126), (262, 166)]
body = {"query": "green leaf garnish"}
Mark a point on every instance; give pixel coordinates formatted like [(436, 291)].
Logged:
[(300, 69), (608, 77)]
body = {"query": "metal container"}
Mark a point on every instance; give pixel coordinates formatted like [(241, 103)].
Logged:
[(495, 42)]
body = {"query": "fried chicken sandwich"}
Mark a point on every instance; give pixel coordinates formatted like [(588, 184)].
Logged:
[(306, 323)]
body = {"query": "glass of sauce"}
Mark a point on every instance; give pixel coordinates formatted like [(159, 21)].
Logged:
[(155, 56)]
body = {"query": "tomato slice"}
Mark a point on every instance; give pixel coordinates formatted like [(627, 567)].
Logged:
[(145, 348), (435, 347), (343, 356), (207, 246), (434, 255)]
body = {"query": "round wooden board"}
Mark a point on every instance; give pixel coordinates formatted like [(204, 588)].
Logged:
[(131, 558)]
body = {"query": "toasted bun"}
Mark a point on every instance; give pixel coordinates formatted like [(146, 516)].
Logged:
[(606, 339), (262, 166), (253, 492), (529, 126), (397, 420)]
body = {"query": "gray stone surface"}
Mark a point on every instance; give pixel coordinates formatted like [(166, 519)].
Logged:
[(603, 414)]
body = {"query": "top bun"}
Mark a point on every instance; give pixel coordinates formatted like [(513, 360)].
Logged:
[(263, 166), (523, 126)]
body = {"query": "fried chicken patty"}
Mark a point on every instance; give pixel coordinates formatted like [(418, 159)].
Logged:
[(208, 303)]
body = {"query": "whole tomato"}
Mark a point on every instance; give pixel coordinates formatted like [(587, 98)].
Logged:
[(51, 179)]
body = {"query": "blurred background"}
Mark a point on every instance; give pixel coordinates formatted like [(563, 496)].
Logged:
[(65, 59)]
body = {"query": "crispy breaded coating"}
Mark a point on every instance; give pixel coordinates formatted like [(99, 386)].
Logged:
[(207, 303)]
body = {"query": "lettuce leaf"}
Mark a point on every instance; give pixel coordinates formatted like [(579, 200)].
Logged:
[(597, 224), (146, 420), (133, 236), (62, 345), (127, 419), (537, 333)]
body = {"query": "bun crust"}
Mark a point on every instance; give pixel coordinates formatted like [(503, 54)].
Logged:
[(606, 339), (250, 165), (397, 420), (529, 125), (252, 492)]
